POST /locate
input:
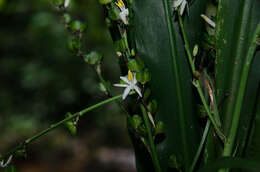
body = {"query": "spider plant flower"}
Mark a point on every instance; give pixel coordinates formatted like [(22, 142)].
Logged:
[(4, 164), (66, 3), (180, 3), (124, 12), (208, 20), (131, 84)]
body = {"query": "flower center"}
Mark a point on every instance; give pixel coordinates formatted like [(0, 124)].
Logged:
[(120, 4), (130, 75)]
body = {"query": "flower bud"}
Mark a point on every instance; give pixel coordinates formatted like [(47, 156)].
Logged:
[(93, 58), (77, 26)]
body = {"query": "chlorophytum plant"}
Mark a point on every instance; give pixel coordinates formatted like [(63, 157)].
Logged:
[(190, 73)]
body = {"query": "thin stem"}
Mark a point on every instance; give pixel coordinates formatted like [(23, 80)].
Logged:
[(150, 138), (53, 126), (202, 142), (186, 44), (196, 82), (228, 148)]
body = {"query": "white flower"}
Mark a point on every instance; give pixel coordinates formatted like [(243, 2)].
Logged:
[(2, 164), (208, 20), (179, 3), (124, 12), (66, 3), (131, 84)]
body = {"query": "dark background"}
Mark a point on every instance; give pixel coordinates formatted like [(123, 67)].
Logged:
[(41, 81)]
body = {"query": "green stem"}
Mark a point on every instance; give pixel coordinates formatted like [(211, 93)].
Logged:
[(53, 126), (203, 139), (150, 138), (186, 44), (228, 148), (213, 121), (196, 82)]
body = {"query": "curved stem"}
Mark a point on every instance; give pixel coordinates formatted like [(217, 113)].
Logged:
[(203, 139), (150, 138), (53, 126), (197, 83)]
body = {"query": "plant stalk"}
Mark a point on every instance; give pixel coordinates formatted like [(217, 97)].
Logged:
[(202, 142), (53, 126), (150, 138), (197, 83), (228, 148)]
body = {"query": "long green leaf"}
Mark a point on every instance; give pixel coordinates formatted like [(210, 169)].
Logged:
[(171, 76), (236, 23)]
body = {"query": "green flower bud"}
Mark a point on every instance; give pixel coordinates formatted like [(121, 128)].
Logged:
[(74, 44), (159, 127), (136, 65), (133, 52), (77, 26), (152, 106), (147, 93), (108, 22), (104, 2), (195, 50), (120, 45), (93, 58), (67, 18), (113, 12), (21, 153), (71, 127), (102, 87), (143, 76), (136, 121)]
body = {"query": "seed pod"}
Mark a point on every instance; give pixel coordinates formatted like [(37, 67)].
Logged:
[(159, 127), (93, 58), (113, 12), (77, 26), (136, 121), (195, 50), (152, 106), (67, 18), (135, 65), (143, 76), (74, 44)]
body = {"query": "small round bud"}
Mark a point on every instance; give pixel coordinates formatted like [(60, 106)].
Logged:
[(93, 58), (77, 26)]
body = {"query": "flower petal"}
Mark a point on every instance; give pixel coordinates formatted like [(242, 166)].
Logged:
[(125, 79), (126, 92), (120, 85), (2, 164), (208, 20), (134, 80), (177, 3), (66, 3), (123, 15), (184, 3), (138, 90)]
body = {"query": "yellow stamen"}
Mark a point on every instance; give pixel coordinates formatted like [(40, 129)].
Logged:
[(120, 4), (130, 76)]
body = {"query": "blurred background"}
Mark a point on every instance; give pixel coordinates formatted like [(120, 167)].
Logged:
[(41, 81)]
